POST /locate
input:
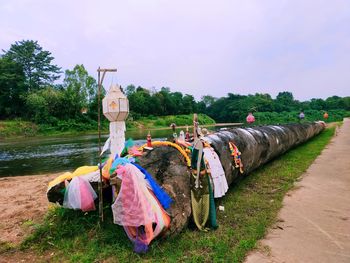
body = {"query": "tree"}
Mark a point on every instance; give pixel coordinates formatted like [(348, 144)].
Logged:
[(208, 100), (35, 61), (188, 104), (11, 88), (130, 89), (46, 105), (80, 89), (317, 104), (334, 102), (140, 101), (167, 102), (284, 101)]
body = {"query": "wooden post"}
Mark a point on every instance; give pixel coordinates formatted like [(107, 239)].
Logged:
[(100, 192), (195, 125)]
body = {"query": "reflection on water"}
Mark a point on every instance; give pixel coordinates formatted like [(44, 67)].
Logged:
[(26, 156)]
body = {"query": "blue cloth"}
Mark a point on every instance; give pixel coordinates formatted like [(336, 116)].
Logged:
[(162, 196)]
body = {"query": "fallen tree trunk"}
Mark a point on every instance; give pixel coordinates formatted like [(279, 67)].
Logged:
[(167, 165), (258, 145)]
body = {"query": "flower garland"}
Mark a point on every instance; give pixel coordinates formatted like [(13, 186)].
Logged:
[(236, 154), (171, 144)]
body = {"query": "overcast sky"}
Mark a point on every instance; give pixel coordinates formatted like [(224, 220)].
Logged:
[(196, 47)]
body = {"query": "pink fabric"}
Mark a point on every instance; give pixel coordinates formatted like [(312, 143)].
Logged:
[(86, 196), (250, 118), (136, 207), (132, 208), (79, 195)]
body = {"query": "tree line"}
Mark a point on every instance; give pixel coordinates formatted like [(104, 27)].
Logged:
[(28, 90)]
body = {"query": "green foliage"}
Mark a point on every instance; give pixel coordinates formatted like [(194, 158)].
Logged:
[(234, 108), (12, 88), (164, 102), (44, 106), (35, 61), (251, 207), (292, 116), (80, 89)]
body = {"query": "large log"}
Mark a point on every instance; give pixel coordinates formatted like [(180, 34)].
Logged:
[(258, 145)]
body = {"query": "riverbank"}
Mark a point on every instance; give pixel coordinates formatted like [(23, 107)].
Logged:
[(20, 128), (251, 206)]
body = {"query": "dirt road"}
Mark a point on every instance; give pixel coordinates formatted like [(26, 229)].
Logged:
[(314, 224)]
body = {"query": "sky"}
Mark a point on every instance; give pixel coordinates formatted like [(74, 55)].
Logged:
[(195, 47)]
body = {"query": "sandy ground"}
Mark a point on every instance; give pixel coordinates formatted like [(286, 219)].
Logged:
[(22, 201), (314, 223)]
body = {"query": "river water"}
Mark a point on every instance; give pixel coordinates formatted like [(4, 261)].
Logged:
[(41, 155)]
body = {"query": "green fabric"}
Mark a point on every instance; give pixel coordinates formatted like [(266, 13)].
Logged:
[(194, 159), (200, 201), (212, 209)]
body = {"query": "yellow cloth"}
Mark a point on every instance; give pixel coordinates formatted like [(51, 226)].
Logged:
[(106, 168), (68, 176)]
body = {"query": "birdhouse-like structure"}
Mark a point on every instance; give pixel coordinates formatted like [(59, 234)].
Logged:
[(116, 110), (115, 104)]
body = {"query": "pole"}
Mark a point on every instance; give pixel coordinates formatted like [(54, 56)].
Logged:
[(100, 195), (100, 192)]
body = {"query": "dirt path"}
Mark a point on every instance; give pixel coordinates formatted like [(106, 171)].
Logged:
[(22, 202), (314, 223)]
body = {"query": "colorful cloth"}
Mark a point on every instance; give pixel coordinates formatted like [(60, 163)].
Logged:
[(250, 118), (79, 195), (199, 184), (162, 196), (216, 172), (132, 208), (137, 209)]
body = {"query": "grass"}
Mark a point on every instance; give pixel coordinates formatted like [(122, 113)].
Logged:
[(12, 128), (251, 206)]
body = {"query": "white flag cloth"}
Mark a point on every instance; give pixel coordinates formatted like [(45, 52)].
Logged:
[(106, 146)]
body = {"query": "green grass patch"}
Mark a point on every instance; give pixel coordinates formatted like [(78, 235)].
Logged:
[(13, 128), (5, 246), (251, 206)]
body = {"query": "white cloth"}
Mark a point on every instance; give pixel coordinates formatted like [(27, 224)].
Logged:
[(216, 171), (117, 136)]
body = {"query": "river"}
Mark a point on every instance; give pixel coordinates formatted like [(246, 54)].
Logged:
[(42, 155)]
